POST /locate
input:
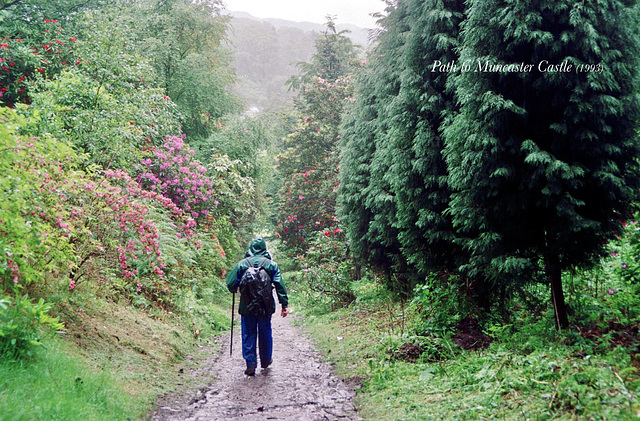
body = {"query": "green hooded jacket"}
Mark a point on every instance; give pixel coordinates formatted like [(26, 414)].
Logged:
[(256, 254)]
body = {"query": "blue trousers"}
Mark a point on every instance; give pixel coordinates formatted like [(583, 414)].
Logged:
[(256, 329)]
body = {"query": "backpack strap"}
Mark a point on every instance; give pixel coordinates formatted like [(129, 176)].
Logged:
[(263, 262), (261, 265)]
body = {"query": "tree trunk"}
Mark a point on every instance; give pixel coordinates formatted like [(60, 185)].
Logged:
[(557, 295)]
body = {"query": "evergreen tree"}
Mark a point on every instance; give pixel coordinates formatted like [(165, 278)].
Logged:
[(334, 58), (418, 173), (543, 159), (367, 202)]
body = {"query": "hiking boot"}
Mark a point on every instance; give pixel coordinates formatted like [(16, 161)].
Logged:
[(250, 371), (266, 364)]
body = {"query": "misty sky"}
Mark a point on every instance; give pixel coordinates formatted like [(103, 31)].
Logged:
[(347, 11)]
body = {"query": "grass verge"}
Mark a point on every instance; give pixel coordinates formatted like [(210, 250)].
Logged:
[(113, 361), (532, 373), (58, 385)]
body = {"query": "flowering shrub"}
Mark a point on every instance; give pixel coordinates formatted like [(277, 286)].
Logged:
[(43, 52), (29, 246), (57, 219), (327, 268), (173, 173), (308, 207), (310, 164), (109, 219)]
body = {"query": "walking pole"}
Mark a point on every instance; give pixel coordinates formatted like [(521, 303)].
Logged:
[(233, 304)]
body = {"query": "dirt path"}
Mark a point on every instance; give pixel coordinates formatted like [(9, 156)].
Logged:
[(297, 386)]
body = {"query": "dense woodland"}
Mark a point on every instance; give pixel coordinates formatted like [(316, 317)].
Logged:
[(472, 174)]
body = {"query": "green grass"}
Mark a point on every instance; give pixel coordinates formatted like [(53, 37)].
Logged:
[(113, 360), (57, 385), (529, 372)]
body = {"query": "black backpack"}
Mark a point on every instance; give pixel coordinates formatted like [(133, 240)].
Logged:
[(256, 290)]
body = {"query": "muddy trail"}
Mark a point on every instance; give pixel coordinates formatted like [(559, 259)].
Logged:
[(297, 386)]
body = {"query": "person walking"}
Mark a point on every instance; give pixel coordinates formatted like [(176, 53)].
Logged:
[(256, 326)]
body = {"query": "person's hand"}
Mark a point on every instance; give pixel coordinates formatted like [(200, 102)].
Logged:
[(284, 312)]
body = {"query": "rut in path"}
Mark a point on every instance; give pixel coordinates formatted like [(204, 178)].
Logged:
[(297, 386)]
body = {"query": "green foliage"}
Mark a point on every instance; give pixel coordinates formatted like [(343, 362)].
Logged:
[(327, 271), (111, 109), (529, 368), (316, 132), (20, 13), (223, 232), (538, 166), (367, 206), (627, 252), (335, 55), (29, 244), (235, 193), (204, 306), (503, 177), (22, 323), (240, 138), (440, 305), (417, 173), (309, 164), (185, 41)]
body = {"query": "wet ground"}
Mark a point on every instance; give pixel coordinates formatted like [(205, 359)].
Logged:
[(297, 386)]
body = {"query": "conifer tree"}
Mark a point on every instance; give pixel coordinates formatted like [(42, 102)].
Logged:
[(418, 173), (543, 159), (367, 202)]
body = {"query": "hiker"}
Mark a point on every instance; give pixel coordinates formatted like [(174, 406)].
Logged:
[(256, 324)]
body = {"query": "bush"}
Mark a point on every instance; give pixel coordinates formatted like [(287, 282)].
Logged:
[(29, 244), (327, 272), (22, 323), (173, 173), (440, 305)]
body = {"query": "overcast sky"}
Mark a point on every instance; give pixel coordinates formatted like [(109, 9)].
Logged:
[(348, 11)]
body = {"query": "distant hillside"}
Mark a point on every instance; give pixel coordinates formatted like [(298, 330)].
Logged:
[(357, 34), (266, 54)]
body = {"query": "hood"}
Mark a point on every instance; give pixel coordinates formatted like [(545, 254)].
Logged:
[(258, 247)]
